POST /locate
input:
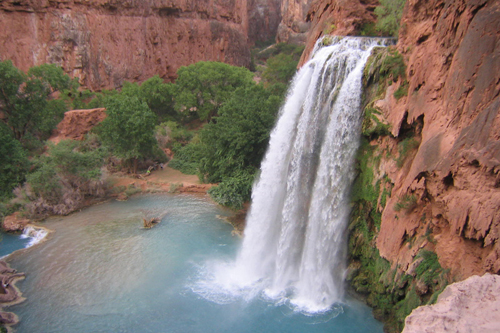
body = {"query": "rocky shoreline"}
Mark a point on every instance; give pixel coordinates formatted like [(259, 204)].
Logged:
[(9, 294)]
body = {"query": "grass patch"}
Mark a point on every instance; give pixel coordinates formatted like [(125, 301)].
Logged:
[(407, 203), (372, 126), (404, 147), (402, 90)]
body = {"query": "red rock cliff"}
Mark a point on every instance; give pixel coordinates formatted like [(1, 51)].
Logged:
[(104, 42), (338, 17), (452, 52)]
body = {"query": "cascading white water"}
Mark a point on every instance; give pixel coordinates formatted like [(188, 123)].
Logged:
[(35, 234), (294, 244)]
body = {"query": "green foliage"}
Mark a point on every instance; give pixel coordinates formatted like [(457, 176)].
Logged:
[(170, 132), (238, 138), (62, 179), (280, 69), (372, 126), (203, 87), (157, 95), (406, 306), (402, 90), (52, 75), (389, 15), (233, 192), (174, 187), (429, 268), (327, 40), (369, 30), (393, 65), (404, 147), (187, 159), (26, 99), (13, 162), (407, 202), (128, 130), (282, 48)]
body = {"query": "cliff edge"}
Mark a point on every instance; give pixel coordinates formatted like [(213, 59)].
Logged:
[(472, 305)]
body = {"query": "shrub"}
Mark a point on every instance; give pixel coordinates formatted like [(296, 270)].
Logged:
[(393, 65), (407, 202), (402, 90), (233, 191), (389, 15)]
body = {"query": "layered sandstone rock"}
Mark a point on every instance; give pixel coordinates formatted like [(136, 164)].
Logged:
[(77, 123), (472, 305), (104, 42), (452, 50)]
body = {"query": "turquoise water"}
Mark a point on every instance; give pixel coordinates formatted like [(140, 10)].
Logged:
[(12, 242), (100, 272)]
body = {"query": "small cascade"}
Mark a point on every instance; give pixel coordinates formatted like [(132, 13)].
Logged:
[(294, 246), (35, 234)]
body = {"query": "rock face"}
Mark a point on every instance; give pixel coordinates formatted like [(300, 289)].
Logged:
[(14, 222), (434, 162), (337, 17), (293, 27), (77, 123), (472, 305), (264, 16), (452, 51), (104, 42)]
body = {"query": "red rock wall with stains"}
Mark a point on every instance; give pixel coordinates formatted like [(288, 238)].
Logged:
[(104, 42), (452, 52)]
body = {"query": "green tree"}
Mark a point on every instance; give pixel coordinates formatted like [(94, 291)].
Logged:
[(26, 99), (237, 140), (389, 15), (13, 162), (157, 94), (128, 130), (63, 177), (203, 87)]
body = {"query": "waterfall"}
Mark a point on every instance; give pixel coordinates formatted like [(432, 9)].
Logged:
[(294, 245), (35, 234)]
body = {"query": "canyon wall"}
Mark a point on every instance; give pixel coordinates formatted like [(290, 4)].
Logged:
[(452, 52), (104, 42), (293, 27), (427, 212)]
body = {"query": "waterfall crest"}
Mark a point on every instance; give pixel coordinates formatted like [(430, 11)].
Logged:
[(295, 241)]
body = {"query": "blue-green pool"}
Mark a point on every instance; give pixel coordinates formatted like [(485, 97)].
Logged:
[(100, 272)]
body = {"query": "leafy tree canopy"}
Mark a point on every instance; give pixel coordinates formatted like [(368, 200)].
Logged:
[(237, 140), (203, 87), (157, 94), (128, 130), (13, 162), (26, 102)]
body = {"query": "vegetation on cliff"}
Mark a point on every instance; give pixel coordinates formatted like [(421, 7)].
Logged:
[(391, 290)]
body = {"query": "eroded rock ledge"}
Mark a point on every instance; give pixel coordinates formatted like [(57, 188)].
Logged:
[(9, 294), (472, 305)]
